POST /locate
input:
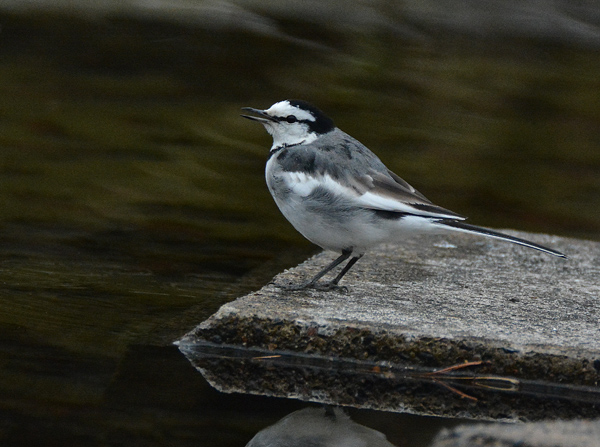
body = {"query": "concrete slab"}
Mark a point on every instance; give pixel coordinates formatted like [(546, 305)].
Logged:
[(436, 302)]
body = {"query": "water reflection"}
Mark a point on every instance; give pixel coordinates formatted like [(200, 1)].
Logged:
[(318, 427), (458, 391)]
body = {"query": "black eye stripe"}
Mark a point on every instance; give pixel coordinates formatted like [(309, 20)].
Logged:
[(291, 119), (321, 125)]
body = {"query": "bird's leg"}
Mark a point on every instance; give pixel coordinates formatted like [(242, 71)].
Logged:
[(333, 285), (327, 286), (347, 267)]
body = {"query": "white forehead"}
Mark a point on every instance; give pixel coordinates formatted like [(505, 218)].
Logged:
[(284, 108)]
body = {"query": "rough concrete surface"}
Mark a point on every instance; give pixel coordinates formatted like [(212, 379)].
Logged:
[(437, 302), (457, 287), (538, 434)]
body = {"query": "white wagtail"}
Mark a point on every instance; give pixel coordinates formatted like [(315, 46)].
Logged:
[(339, 194)]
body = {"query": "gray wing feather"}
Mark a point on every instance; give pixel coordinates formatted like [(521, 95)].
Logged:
[(352, 164)]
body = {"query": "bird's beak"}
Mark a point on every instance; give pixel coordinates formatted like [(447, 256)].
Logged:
[(262, 117)]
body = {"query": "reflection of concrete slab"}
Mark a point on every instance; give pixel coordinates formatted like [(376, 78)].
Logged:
[(464, 393), (540, 434), (433, 303)]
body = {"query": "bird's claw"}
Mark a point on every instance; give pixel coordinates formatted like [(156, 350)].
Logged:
[(324, 287), (328, 286)]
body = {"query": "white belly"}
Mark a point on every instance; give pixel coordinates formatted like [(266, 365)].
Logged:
[(336, 222)]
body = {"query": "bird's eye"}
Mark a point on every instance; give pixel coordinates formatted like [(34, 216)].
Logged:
[(291, 119)]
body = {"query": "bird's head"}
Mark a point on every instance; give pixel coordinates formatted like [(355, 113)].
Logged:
[(292, 122)]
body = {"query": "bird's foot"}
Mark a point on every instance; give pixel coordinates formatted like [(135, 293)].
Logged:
[(329, 286), (325, 287)]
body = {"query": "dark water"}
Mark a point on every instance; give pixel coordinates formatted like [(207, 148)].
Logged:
[(132, 199)]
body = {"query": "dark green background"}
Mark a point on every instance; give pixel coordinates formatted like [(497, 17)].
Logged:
[(133, 204)]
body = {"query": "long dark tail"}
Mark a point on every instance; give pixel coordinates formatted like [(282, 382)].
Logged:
[(461, 226)]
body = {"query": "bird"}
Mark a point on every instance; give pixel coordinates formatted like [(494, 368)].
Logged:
[(340, 196)]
